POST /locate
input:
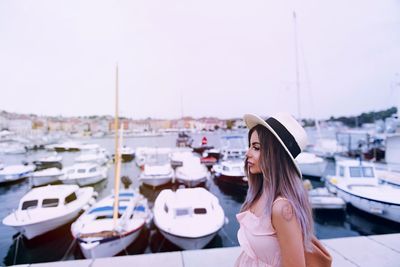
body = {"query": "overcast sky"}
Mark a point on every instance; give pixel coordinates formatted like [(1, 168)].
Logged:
[(200, 58)]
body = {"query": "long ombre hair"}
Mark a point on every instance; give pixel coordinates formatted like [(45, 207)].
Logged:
[(278, 178)]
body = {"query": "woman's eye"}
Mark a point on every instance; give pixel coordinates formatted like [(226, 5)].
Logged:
[(256, 148)]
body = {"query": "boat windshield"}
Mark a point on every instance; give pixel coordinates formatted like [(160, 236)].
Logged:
[(182, 212), (361, 172), (30, 204)]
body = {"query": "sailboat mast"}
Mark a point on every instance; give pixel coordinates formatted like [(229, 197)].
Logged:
[(117, 153), (297, 67)]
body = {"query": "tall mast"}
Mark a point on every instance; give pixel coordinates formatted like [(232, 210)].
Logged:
[(117, 154), (297, 66)]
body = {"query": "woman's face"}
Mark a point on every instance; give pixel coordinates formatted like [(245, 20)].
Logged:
[(253, 154)]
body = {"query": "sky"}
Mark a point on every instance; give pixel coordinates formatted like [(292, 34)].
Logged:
[(220, 58)]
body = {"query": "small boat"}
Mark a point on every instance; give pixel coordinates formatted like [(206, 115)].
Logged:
[(46, 208), (311, 165), (144, 154), (233, 147), (184, 140), (356, 183), (157, 170), (15, 173), (95, 230), (127, 154), (157, 174), (98, 156), (321, 198), (192, 173), (84, 174), (54, 160), (64, 147), (46, 176), (231, 172), (189, 217)]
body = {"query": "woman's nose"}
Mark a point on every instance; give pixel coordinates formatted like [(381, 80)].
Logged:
[(248, 153)]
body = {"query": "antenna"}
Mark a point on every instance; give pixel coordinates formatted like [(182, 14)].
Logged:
[(297, 66)]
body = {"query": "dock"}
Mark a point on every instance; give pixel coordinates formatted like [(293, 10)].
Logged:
[(359, 251)]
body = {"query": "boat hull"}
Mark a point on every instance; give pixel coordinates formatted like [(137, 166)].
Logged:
[(191, 182), (381, 209), (43, 180), (85, 181), (108, 248), (31, 231), (188, 243), (155, 182)]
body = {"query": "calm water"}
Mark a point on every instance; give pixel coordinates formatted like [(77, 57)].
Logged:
[(58, 244)]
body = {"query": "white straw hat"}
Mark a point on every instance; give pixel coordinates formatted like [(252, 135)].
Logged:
[(286, 129)]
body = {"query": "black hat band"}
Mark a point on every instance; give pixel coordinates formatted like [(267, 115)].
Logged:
[(286, 137)]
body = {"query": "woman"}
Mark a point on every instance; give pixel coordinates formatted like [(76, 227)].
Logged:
[(276, 225)]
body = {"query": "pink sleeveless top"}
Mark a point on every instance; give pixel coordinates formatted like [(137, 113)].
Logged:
[(258, 241)]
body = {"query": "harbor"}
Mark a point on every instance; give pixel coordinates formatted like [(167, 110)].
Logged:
[(330, 224)]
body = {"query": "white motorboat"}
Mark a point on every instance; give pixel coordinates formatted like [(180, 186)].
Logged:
[(98, 156), (321, 198), (96, 232), (127, 154), (327, 148), (15, 173), (12, 148), (157, 170), (157, 175), (46, 208), (46, 176), (356, 183), (84, 174), (63, 147), (192, 173), (231, 172), (233, 147), (143, 154), (53, 160), (189, 217), (311, 165)]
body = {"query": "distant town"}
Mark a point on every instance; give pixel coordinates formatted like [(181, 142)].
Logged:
[(98, 126)]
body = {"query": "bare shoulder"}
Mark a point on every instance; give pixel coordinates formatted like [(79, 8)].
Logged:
[(282, 211)]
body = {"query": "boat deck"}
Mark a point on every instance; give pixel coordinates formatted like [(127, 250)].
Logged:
[(374, 250)]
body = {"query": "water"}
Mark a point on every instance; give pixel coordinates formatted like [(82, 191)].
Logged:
[(58, 244)]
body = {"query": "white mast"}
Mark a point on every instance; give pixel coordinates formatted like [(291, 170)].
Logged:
[(297, 67), (117, 155)]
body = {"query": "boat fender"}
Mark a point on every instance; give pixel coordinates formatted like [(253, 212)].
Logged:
[(95, 194), (92, 201), (226, 220)]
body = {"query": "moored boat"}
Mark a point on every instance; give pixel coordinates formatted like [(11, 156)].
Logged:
[(189, 217), (46, 208), (98, 235)]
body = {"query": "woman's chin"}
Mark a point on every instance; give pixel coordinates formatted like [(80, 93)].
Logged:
[(254, 171)]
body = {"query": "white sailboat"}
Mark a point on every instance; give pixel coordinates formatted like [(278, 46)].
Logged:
[(115, 222)]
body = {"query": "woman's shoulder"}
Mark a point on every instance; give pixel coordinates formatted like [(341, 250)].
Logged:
[(282, 210)]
